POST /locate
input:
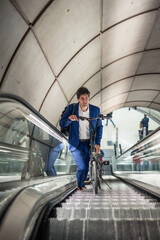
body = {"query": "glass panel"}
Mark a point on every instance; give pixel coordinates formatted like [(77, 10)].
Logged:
[(65, 163), (14, 143), (142, 161), (31, 150), (29, 147)]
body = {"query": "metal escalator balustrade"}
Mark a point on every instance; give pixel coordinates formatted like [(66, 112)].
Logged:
[(28, 143), (141, 163), (27, 130), (121, 213), (32, 151)]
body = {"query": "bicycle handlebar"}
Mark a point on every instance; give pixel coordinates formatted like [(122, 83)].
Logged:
[(100, 116)]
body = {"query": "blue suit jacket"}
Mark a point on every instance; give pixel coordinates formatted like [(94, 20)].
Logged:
[(74, 130), (145, 121)]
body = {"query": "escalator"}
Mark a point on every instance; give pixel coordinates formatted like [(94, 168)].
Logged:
[(123, 212), (39, 202)]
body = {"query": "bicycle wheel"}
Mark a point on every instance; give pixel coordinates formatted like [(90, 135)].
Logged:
[(94, 177)]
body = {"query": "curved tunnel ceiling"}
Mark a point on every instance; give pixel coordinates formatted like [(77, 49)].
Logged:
[(49, 49)]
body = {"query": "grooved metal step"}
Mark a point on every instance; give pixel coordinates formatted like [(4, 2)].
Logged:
[(107, 214), (120, 213), (103, 229)]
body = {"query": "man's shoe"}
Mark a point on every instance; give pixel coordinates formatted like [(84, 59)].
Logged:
[(84, 188), (80, 189)]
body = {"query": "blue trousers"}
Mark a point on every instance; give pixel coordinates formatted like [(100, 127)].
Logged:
[(51, 171), (81, 157)]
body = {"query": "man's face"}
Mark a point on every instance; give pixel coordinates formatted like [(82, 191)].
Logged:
[(84, 101)]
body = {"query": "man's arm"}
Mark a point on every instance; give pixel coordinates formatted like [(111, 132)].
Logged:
[(73, 118), (65, 121)]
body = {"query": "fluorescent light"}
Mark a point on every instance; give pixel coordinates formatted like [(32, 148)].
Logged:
[(44, 127)]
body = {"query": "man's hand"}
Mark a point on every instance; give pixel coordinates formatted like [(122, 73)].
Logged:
[(73, 118), (97, 147)]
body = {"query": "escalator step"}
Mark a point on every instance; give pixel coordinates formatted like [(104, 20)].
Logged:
[(101, 229), (100, 213), (123, 213), (63, 230), (106, 213), (109, 205), (132, 230)]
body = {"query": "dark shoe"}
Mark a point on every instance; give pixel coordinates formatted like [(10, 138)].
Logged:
[(84, 188), (80, 189)]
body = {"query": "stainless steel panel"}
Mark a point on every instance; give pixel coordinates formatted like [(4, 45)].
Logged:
[(31, 8), (12, 28), (120, 69), (83, 66), (116, 89), (127, 37), (29, 75), (55, 100), (115, 101), (71, 25), (116, 11), (28, 205), (142, 95), (150, 62), (150, 82)]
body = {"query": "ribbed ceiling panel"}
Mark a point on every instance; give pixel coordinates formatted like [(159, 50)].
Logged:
[(29, 8), (29, 75), (12, 30), (50, 48), (65, 27)]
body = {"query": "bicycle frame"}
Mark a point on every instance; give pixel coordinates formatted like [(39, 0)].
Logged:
[(94, 163), (93, 131)]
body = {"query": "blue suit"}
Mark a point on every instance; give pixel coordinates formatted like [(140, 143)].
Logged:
[(80, 150)]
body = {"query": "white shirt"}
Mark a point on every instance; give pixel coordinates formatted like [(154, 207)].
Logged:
[(84, 125)]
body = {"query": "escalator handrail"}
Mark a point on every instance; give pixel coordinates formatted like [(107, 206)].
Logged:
[(26, 104), (139, 142)]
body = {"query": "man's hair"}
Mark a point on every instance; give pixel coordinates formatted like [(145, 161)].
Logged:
[(81, 91)]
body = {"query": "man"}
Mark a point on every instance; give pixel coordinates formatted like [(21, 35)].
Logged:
[(144, 123), (79, 134)]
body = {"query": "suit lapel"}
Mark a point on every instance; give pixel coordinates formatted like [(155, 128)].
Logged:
[(77, 122), (91, 113), (77, 109)]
